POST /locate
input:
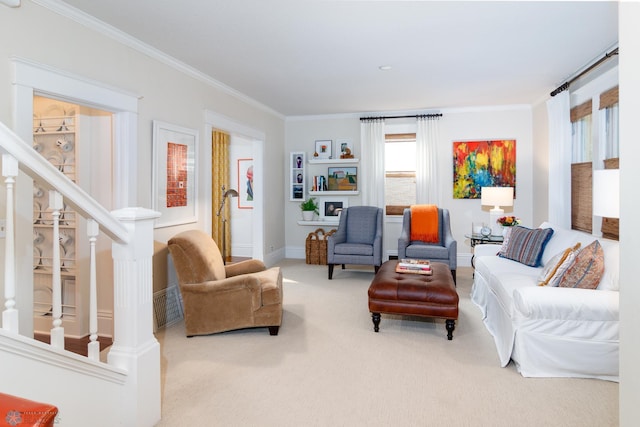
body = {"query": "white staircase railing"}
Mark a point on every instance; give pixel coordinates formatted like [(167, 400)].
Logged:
[(135, 351)]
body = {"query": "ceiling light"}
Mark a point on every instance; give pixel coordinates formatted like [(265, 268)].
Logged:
[(384, 67)]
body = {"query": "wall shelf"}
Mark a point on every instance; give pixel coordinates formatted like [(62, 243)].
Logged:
[(334, 193), (332, 161), (319, 222)]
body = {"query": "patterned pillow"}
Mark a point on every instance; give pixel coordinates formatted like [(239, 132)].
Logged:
[(587, 270), (555, 268), (526, 245)]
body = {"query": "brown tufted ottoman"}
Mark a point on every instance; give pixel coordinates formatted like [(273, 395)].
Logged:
[(414, 294)]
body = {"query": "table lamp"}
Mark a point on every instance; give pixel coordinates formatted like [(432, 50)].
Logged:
[(496, 197)]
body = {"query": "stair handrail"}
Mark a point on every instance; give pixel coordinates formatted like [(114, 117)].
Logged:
[(50, 178)]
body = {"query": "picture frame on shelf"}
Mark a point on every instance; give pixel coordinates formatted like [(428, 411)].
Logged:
[(344, 149), (330, 207), (342, 178), (323, 149), (174, 174), (245, 183), (298, 192)]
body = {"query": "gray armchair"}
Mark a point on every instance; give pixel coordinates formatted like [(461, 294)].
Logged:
[(358, 239), (445, 251)]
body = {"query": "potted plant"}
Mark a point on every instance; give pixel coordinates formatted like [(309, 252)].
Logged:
[(309, 207)]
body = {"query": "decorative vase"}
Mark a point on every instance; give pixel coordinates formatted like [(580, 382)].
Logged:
[(307, 215), (505, 231)]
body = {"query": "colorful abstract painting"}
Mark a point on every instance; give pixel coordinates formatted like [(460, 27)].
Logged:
[(478, 164)]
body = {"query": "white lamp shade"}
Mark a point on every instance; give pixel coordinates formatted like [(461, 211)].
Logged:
[(497, 196), (606, 193)]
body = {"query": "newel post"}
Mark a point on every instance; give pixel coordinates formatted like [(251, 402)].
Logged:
[(135, 348)]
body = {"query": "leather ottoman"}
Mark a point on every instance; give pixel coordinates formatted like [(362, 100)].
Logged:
[(414, 294)]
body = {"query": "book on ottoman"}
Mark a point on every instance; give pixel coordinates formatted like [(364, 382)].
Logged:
[(414, 266)]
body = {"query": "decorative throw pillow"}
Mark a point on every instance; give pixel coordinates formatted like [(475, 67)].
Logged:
[(505, 240), (587, 270), (526, 245), (555, 268)]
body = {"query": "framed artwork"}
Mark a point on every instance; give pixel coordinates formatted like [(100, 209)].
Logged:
[(478, 164), (342, 179), (331, 206), (174, 174), (245, 183), (344, 149), (323, 148)]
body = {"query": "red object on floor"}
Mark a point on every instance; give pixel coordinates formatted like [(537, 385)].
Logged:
[(16, 411)]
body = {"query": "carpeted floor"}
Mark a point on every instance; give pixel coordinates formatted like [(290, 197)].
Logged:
[(328, 368)]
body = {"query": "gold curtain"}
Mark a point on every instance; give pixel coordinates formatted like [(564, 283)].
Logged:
[(219, 177)]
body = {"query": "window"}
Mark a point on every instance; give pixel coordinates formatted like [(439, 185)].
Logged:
[(609, 115), (400, 172), (581, 142)]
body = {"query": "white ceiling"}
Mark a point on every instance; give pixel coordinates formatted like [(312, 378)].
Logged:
[(308, 57)]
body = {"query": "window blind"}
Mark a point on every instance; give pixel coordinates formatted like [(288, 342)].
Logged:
[(609, 98), (580, 111)]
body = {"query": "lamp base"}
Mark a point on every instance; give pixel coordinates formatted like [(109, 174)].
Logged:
[(494, 215)]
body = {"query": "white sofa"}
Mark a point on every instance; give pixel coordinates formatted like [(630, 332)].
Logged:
[(550, 331)]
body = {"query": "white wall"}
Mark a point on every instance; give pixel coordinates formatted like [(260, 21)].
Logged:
[(508, 122), (629, 13), (165, 93)]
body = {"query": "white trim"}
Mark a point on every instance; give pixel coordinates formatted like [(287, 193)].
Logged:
[(215, 120), (99, 26), (456, 110), (71, 86)]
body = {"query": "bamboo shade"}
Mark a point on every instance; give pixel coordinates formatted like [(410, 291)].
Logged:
[(580, 111), (611, 226), (581, 197), (609, 98)]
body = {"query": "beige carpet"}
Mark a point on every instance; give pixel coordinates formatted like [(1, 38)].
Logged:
[(328, 368)]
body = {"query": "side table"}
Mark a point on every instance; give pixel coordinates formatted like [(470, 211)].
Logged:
[(479, 239)]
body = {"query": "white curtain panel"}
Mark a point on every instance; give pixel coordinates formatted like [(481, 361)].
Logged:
[(558, 111), (371, 181), (427, 138)]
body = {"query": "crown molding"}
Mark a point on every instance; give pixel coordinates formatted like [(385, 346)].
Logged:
[(11, 3), (126, 39)]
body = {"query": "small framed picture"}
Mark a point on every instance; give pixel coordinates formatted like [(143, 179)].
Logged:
[(323, 148), (330, 207), (344, 149), (342, 179)]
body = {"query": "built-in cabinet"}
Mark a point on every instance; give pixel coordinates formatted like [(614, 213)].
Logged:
[(330, 181), (54, 137), (297, 184)]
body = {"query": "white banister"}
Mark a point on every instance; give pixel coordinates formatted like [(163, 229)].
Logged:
[(93, 348), (57, 332), (10, 313)]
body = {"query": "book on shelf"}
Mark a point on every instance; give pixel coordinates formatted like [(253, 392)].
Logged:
[(416, 266)]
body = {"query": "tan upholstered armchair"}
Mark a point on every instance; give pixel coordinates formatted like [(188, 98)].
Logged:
[(220, 297)]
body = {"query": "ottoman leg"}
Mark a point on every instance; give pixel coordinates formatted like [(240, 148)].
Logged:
[(376, 321), (451, 325)]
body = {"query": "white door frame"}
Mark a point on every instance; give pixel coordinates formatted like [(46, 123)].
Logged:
[(213, 121), (31, 78)]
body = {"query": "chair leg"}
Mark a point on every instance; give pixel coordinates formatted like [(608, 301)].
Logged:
[(376, 268), (330, 271), (453, 273), (273, 330), (343, 266)]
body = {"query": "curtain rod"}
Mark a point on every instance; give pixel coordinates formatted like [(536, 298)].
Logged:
[(564, 86), (416, 116)]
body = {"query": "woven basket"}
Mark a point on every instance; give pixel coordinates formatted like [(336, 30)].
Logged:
[(316, 247)]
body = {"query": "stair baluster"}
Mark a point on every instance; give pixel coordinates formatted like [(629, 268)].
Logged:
[(10, 314), (57, 332), (93, 348)]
